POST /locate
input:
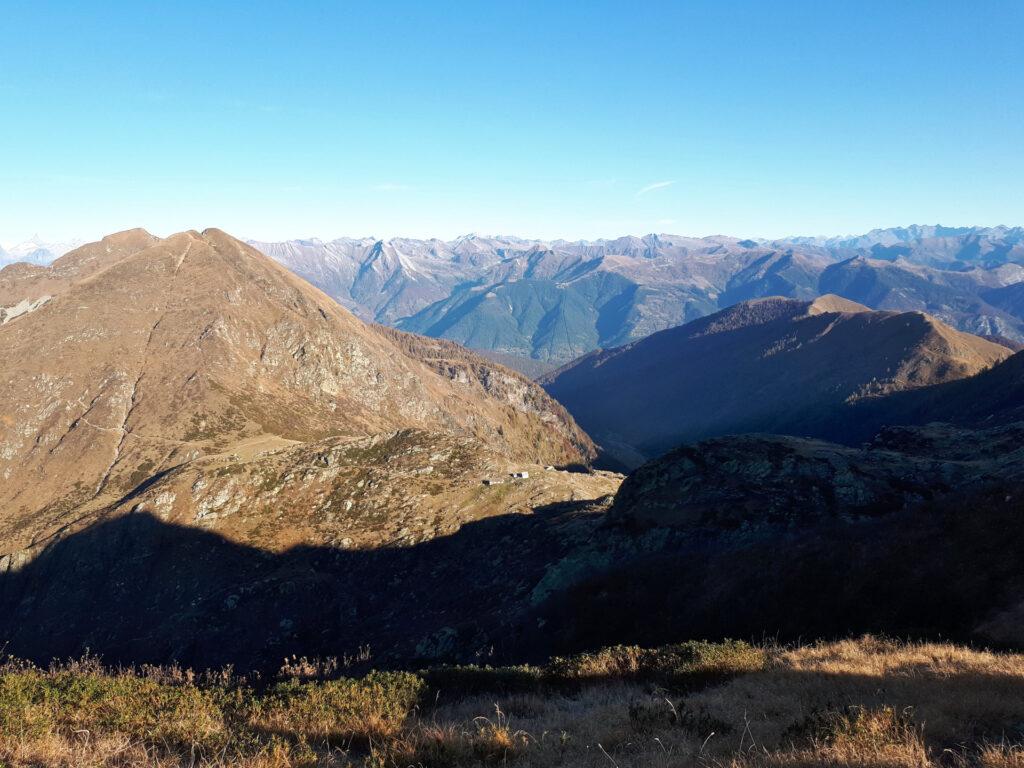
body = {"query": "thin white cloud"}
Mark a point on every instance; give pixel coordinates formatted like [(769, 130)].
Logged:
[(390, 186), (654, 186)]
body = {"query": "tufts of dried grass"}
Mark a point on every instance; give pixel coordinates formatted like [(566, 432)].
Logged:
[(863, 703)]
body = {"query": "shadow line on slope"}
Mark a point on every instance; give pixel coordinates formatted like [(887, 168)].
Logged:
[(135, 589)]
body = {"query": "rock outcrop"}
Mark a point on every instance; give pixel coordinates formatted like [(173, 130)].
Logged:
[(753, 480), (916, 533)]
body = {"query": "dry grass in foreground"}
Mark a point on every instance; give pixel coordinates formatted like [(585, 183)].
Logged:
[(862, 702)]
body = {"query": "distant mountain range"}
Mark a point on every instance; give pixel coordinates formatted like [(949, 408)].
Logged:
[(552, 301), (206, 460), (35, 251)]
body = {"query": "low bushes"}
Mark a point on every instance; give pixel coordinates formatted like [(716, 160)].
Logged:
[(865, 702)]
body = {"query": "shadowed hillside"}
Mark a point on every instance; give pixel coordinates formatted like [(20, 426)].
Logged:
[(885, 539), (770, 365), (135, 589)]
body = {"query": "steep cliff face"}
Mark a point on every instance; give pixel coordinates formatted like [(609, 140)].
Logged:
[(528, 407)]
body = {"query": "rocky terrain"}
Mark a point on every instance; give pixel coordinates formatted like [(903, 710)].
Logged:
[(193, 382), (416, 564), (913, 532), (890, 537), (207, 461), (391, 542), (141, 355), (767, 365), (551, 301), (749, 481)]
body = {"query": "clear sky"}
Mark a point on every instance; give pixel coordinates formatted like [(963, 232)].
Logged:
[(547, 119)]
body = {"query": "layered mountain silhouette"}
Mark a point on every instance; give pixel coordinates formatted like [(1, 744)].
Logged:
[(959, 297), (912, 532), (551, 301), (768, 365), (206, 460)]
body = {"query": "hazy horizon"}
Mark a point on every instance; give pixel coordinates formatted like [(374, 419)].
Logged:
[(569, 121), (43, 239)]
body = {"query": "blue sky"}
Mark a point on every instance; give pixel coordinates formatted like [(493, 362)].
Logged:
[(548, 119)]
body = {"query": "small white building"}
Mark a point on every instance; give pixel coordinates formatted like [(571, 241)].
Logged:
[(521, 475)]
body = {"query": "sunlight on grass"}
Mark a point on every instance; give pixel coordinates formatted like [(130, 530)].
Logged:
[(866, 702)]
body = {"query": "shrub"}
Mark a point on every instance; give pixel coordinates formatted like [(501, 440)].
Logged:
[(82, 697), (471, 679), (684, 665), (341, 711)]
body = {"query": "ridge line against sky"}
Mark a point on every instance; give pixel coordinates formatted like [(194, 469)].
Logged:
[(528, 238), (564, 121), (42, 241)]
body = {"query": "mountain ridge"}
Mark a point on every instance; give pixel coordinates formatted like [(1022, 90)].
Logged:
[(766, 365), (213, 462), (552, 300), (143, 354)]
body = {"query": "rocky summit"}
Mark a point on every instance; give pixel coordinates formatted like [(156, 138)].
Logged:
[(747, 535), (141, 355), (193, 380)]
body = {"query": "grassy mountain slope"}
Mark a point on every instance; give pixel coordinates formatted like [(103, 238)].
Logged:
[(150, 354), (770, 365)]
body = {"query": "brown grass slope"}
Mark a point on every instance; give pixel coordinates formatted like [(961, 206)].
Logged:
[(868, 703), (152, 353), (769, 365), (27, 281), (990, 398)]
